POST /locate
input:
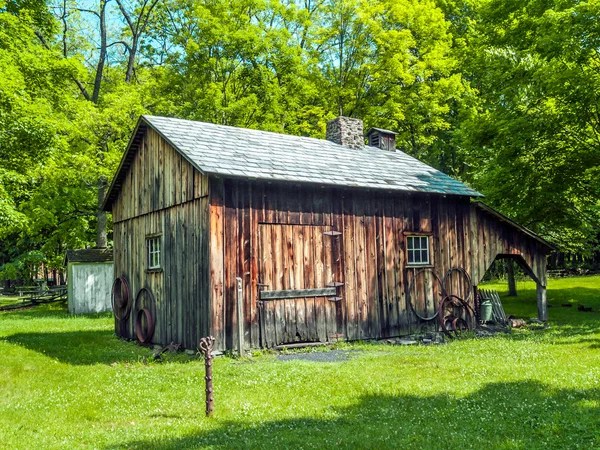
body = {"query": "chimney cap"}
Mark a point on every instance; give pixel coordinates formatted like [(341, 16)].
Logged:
[(380, 130)]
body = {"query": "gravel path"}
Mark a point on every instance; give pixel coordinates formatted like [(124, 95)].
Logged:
[(329, 357)]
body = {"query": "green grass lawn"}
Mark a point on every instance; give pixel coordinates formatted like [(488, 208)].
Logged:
[(67, 382), (6, 300)]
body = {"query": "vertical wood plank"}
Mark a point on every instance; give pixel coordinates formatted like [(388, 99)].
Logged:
[(217, 263)]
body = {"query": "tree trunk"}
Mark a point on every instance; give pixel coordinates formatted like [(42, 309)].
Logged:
[(103, 50), (101, 239), (512, 285), (131, 59)]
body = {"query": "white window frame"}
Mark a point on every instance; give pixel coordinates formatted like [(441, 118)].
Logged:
[(153, 249), (422, 247)]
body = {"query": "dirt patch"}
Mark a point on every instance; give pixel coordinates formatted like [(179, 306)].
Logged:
[(332, 356)]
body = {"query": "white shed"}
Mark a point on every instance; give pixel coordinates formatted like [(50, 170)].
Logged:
[(90, 275)]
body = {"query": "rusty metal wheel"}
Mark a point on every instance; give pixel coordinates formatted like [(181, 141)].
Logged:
[(121, 298), (145, 311), (411, 287), (459, 325), (144, 333), (451, 323)]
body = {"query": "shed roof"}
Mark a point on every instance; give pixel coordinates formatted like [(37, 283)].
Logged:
[(505, 219), (252, 154), (89, 255)]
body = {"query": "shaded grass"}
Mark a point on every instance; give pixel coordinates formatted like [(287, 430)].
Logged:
[(69, 383), (11, 300)]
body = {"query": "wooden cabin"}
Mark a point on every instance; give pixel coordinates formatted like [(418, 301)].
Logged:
[(271, 239)]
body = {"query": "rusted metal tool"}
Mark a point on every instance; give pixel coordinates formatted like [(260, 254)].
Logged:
[(206, 346)]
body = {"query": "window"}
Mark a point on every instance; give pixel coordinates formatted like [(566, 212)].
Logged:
[(153, 247), (418, 250)]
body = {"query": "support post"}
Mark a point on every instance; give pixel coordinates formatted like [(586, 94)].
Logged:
[(512, 285), (541, 303), (240, 315)]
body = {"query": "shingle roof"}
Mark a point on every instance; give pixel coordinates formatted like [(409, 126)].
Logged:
[(89, 255), (240, 152)]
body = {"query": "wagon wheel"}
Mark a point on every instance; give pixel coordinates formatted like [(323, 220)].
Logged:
[(467, 280), (145, 312), (121, 298), (452, 324), (411, 287)]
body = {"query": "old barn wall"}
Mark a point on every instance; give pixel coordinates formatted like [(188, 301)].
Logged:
[(164, 195), (367, 257)]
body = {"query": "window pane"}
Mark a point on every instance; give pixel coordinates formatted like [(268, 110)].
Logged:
[(411, 256), (424, 242), (411, 242), (417, 256), (153, 252), (424, 256)]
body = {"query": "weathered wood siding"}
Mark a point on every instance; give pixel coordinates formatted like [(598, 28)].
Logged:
[(158, 178), (163, 194), (368, 257)]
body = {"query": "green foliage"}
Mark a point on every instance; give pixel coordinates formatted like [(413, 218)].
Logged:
[(533, 138), (503, 95), (25, 267), (54, 144)]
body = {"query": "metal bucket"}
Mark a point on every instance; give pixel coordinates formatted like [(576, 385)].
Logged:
[(485, 310)]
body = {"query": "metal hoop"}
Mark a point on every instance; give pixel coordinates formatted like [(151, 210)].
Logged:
[(410, 287), (466, 275), (121, 298), (146, 336)]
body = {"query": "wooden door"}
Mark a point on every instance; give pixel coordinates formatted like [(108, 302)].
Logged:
[(296, 274)]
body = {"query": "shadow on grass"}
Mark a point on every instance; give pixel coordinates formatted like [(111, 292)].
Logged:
[(48, 311), (500, 415), (80, 347)]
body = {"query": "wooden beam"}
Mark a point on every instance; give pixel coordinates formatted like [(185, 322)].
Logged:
[(297, 293)]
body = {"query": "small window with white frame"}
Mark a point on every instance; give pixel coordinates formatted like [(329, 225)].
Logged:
[(417, 250), (153, 251)]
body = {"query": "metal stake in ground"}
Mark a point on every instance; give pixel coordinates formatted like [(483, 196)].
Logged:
[(206, 346)]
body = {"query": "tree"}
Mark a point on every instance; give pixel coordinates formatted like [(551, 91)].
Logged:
[(533, 140)]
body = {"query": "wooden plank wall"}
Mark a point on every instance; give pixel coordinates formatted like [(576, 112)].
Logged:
[(296, 257), (368, 257), (498, 238), (158, 178), (163, 194)]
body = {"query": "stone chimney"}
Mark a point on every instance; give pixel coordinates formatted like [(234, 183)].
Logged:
[(346, 131)]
